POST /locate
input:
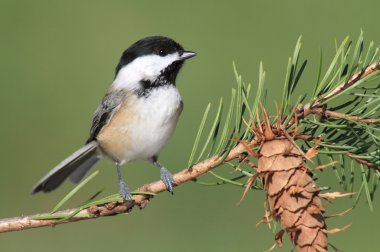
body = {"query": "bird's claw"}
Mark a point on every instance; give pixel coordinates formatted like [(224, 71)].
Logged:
[(124, 191), (167, 178)]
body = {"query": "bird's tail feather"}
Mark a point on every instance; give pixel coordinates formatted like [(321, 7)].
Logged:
[(75, 167), (82, 170)]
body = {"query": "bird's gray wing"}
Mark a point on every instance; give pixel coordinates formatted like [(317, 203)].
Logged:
[(105, 111)]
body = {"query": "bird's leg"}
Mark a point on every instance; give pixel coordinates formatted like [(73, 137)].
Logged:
[(165, 175), (123, 189)]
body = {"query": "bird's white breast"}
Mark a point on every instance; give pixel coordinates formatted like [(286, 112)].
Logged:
[(155, 119)]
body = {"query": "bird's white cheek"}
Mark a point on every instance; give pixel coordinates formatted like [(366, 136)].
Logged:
[(153, 65), (143, 68)]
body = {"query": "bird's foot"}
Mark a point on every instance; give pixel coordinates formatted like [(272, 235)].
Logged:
[(167, 178), (124, 191)]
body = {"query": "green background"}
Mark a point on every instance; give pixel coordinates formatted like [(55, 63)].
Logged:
[(57, 59)]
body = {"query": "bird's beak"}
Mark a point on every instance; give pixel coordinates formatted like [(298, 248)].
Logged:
[(187, 55)]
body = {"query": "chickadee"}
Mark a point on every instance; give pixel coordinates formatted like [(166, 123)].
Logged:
[(136, 117)]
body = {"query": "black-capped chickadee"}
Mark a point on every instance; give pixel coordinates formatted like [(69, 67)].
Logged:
[(136, 117)]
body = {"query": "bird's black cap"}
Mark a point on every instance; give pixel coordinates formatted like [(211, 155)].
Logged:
[(150, 45)]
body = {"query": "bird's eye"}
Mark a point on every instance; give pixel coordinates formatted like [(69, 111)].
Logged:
[(162, 52)]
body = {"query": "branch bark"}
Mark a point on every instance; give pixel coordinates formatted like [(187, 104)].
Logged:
[(108, 209)]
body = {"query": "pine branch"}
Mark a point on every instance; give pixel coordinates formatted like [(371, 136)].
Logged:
[(115, 207), (318, 107)]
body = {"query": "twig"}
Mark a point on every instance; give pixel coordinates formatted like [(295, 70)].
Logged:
[(307, 138), (363, 161), (305, 110), (109, 209), (375, 66), (328, 113)]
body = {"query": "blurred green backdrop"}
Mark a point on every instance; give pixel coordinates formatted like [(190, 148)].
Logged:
[(57, 59)]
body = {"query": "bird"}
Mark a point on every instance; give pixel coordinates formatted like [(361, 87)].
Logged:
[(135, 118)]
